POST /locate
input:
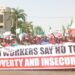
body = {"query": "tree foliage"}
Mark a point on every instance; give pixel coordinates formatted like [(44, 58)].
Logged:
[(38, 30), (17, 15)]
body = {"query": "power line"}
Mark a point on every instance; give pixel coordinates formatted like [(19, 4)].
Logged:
[(50, 17)]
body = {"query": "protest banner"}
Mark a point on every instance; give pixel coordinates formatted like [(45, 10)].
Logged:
[(58, 56)]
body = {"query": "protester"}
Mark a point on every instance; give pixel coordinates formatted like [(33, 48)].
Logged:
[(26, 39), (44, 40), (52, 39), (14, 42), (5, 43)]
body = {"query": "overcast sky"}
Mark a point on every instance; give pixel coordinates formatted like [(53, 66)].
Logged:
[(45, 13)]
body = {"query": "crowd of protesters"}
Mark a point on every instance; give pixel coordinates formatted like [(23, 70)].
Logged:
[(35, 40)]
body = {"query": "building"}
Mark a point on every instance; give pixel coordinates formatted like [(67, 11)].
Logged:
[(5, 19)]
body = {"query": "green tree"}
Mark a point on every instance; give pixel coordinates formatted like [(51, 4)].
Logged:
[(38, 31), (69, 25), (17, 14), (50, 28), (64, 30), (26, 27)]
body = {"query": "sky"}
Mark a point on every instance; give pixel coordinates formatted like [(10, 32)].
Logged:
[(45, 13)]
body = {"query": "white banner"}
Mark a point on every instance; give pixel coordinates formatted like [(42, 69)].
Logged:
[(58, 56), (38, 50)]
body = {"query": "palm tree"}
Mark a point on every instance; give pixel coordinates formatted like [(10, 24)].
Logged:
[(18, 14)]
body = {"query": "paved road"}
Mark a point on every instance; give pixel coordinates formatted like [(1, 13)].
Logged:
[(37, 72)]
